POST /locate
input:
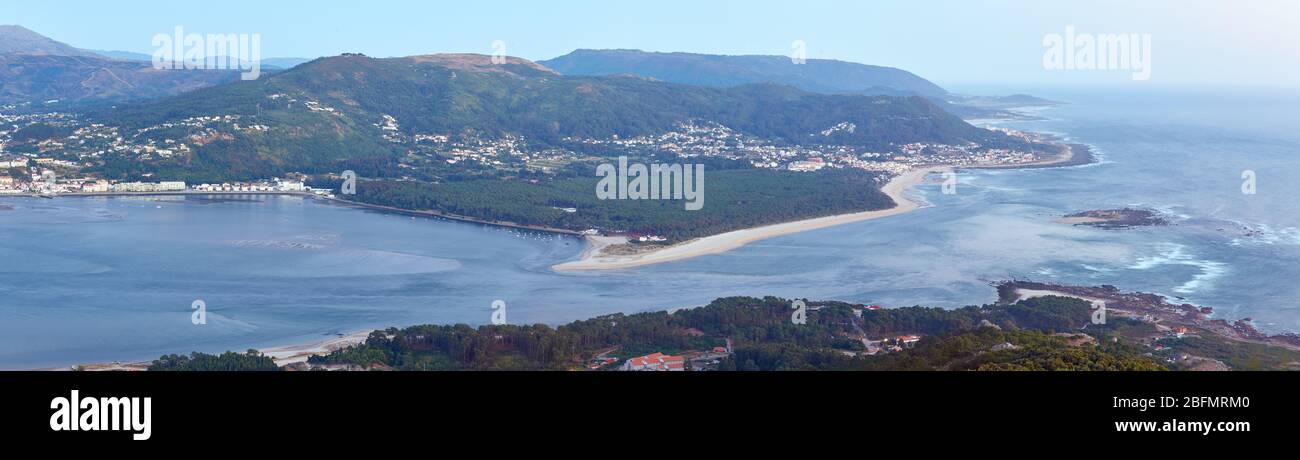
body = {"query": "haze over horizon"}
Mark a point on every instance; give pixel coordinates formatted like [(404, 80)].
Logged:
[(1249, 43)]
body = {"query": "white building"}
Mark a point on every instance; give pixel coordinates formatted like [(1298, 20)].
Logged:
[(655, 362)]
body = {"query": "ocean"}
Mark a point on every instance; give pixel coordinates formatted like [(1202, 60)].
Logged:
[(88, 280)]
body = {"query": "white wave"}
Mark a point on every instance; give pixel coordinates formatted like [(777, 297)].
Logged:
[(1176, 254), (1210, 271), (275, 244), (1167, 211), (220, 319), (1094, 268), (357, 262), (1099, 157), (1266, 235)]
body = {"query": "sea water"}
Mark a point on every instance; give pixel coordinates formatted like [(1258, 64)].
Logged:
[(86, 280)]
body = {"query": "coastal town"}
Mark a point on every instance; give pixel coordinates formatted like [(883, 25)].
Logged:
[(51, 152), (707, 139), (48, 185)]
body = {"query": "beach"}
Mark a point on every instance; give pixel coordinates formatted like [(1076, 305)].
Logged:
[(595, 258), (282, 355)]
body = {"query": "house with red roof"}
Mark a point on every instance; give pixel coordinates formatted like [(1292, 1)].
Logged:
[(655, 362)]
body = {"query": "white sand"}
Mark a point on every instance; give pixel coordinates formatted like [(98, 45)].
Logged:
[(282, 356), (1026, 294), (594, 259), (290, 354)]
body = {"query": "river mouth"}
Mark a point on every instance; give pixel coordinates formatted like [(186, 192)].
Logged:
[(108, 279)]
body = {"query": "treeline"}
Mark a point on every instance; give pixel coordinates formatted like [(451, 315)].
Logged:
[(992, 337), (992, 349), (1020, 336), (1049, 313), (958, 339), (460, 347), (252, 360)]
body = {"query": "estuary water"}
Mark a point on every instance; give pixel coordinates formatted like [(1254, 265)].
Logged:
[(87, 280)]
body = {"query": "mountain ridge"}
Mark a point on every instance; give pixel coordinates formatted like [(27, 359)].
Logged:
[(465, 96), (826, 76), (36, 68), (19, 39)]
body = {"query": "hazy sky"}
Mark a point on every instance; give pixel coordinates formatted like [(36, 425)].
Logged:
[(1245, 42)]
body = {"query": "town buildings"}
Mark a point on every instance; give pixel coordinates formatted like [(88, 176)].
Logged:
[(655, 362)]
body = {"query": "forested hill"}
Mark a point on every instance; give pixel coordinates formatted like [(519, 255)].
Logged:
[(35, 68), (1036, 334), (329, 109), (816, 75)]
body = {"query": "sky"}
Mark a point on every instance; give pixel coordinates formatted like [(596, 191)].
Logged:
[(951, 42)]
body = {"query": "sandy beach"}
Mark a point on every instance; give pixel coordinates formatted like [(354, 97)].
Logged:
[(282, 355), (1026, 294), (299, 353), (595, 258)]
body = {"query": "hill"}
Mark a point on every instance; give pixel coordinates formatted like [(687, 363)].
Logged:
[(515, 142), (80, 79), (19, 39), (35, 68), (332, 109), (267, 64), (745, 334), (815, 75)]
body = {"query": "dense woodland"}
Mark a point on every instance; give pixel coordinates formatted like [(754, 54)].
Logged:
[(1043, 333), (733, 199), (252, 360), (764, 338)]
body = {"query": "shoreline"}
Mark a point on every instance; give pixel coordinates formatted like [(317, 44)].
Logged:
[(282, 355), (125, 194), (333, 200), (1152, 308), (458, 218), (593, 258), (1073, 154)]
